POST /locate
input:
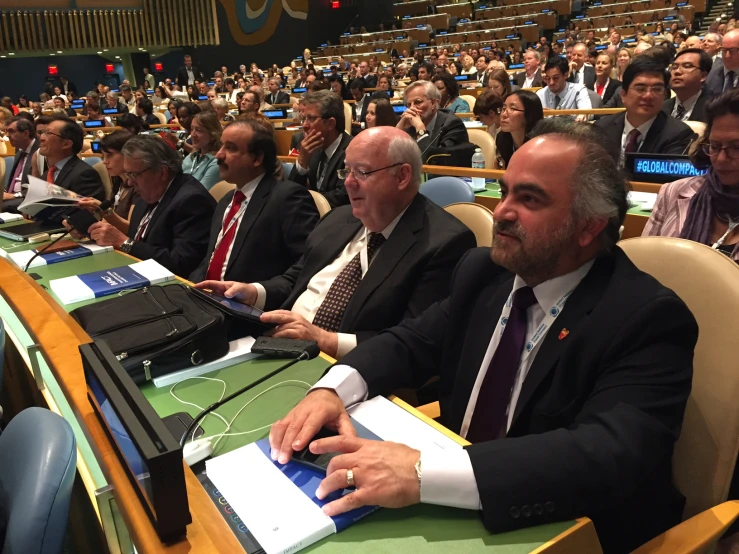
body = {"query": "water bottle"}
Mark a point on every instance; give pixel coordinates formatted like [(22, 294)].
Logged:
[(478, 162)]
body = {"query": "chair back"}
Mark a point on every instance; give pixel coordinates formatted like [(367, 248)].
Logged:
[(221, 189), (287, 169), (698, 127), (477, 218), (161, 117), (321, 203), (443, 191), (347, 118), (706, 280), (486, 143), (38, 457), (595, 100), (104, 176), (470, 100), (91, 160)]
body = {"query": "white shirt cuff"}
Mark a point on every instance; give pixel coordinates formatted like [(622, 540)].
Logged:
[(447, 479), (347, 343), (346, 382), (261, 296), (300, 168)]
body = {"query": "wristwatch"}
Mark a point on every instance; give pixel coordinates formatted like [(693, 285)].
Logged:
[(106, 212), (421, 134), (417, 467), (126, 246)]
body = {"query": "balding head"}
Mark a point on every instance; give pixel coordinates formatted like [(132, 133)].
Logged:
[(641, 48), (381, 196), (692, 41)]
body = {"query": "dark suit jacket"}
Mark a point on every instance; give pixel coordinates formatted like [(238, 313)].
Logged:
[(485, 78), (177, 236), (599, 412), (370, 80), (614, 85), (71, 87), (699, 109), (520, 79), (615, 100), (282, 98), (714, 84), (666, 135), (410, 272), (149, 120), (182, 76), (588, 79), (449, 130), (79, 177), (332, 187), (272, 234)]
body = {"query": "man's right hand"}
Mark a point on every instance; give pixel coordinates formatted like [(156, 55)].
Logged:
[(320, 408), (311, 142), (246, 293)]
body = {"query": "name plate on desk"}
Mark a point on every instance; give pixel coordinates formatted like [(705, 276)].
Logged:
[(660, 168)]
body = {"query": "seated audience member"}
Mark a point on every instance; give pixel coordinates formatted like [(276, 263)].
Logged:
[(220, 105), (688, 74), (172, 108), (94, 113), (185, 114), (271, 219), (644, 127), (583, 421), (201, 163), (22, 136), (145, 110), (370, 79), (425, 71), (60, 104), (499, 82), (531, 75), (724, 74), (449, 94), (338, 86), (359, 108), (130, 123), (487, 109), (380, 113), (161, 96), (60, 143), (38, 160), (231, 90), (580, 73), (127, 97), (276, 96), (249, 103), (706, 208), (425, 122), (112, 103), (481, 64), (170, 219), (520, 113), (560, 94), (367, 266), (604, 86), (259, 91), (323, 147)]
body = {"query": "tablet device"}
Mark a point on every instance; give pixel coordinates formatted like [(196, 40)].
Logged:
[(230, 306)]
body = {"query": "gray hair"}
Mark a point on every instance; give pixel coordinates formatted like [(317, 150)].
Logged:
[(429, 90), (716, 37), (600, 187), (220, 103), (329, 105), (154, 151), (112, 94), (536, 54), (405, 150)]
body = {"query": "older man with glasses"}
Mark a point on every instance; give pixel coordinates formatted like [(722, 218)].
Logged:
[(367, 266), (724, 74)]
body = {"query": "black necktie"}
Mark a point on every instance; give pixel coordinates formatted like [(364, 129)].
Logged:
[(321, 173), (680, 112), (557, 101)]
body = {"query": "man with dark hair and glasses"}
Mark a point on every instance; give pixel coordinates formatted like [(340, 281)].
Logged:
[(688, 74), (644, 127), (367, 266)]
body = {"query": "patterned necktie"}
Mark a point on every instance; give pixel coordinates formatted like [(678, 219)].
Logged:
[(728, 81), (632, 141), (215, 268), (144, 224), (331, 311), (557, 100), (488, 419), (680, 112), (50, 174)]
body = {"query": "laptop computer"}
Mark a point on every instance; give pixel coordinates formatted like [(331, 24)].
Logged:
[(23, 231)]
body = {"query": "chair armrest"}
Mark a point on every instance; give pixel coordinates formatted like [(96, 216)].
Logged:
[(694, 534), (430, 410)]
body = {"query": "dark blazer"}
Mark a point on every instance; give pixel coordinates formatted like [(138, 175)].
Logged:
[(600, 409), (370, 80), (120, 107), (699, 109), (449, 130), (588, 79), (667, 135), (272, 234), (71, 87), (714, 84), (362, 117), (182, 76), (485, 78), (150, 119), (177, 236), (615, 101), (79, 177), (282, 98), (410, 272), (613, 86), (520, 79), (296, 139), (333, 187)]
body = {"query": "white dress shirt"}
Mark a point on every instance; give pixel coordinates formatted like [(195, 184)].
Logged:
[(190, 76), (580, 75), (529, 80), (330, 151), (248, 190), (689, 104), (448, 478), (310, 301), (572, 97), (628, 127)]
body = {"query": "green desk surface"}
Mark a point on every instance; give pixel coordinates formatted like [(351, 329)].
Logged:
[(421, 528), (493, 191)]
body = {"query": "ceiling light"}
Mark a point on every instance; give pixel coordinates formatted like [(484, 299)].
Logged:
[(99, 52), (58, 51), (117, 57), (11, 53)]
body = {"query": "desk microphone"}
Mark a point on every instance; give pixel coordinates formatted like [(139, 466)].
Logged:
[(103, 206), (308, 353)]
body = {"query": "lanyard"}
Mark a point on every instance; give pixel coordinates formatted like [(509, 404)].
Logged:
[(608, 81), (732, 225), (144, 225), (227, 228)]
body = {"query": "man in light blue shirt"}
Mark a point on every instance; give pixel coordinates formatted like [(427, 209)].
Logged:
[(559, 94)]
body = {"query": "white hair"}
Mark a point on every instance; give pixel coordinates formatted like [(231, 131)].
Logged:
[(429, 90), (405, 150)]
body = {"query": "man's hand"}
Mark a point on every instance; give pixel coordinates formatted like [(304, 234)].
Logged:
[(384, 474), (310, 144), (246, 293), (411, 118), (320, 408), (293, 326), (8, 195), (74, 233), (582, 118), (104, 234)]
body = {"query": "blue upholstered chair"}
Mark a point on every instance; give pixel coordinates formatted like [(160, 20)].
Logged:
[(38, 456), (447, 190)]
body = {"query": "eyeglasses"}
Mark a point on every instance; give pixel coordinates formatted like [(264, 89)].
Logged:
[(713, 149), (360, 175), (135, 174), (312, 118), (683, 66), (505, 109), (732, 51), (643, 89), (42, 133)]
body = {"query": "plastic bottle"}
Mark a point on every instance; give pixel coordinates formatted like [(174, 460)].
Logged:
[(478, 162)]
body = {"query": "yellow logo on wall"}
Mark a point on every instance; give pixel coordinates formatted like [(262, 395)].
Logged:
[(255, 21)]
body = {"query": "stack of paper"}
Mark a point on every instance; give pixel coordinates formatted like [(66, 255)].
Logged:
[(21, 259), (645, 200)]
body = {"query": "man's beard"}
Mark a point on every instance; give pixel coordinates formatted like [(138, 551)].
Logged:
[(533, 259)]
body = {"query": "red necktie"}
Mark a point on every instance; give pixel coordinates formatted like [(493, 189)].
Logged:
[(50, 174), (229, 232)]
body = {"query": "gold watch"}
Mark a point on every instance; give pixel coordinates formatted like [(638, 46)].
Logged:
[(417, 467)]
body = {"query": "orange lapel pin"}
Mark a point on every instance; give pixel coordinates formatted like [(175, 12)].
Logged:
[(563, 333)]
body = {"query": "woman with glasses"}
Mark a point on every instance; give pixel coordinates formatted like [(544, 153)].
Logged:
[(521, 111), (201, 163), (705, 208)]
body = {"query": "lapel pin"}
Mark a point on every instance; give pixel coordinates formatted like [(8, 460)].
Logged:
[(563, 333)]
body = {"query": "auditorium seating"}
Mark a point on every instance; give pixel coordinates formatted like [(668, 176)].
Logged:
[(477, 217), (447, 190)]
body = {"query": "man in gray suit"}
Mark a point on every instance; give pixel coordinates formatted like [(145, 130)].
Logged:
[(22, 136), (724, 74)]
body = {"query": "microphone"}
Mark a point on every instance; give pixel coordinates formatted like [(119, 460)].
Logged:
[(308, 353)]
